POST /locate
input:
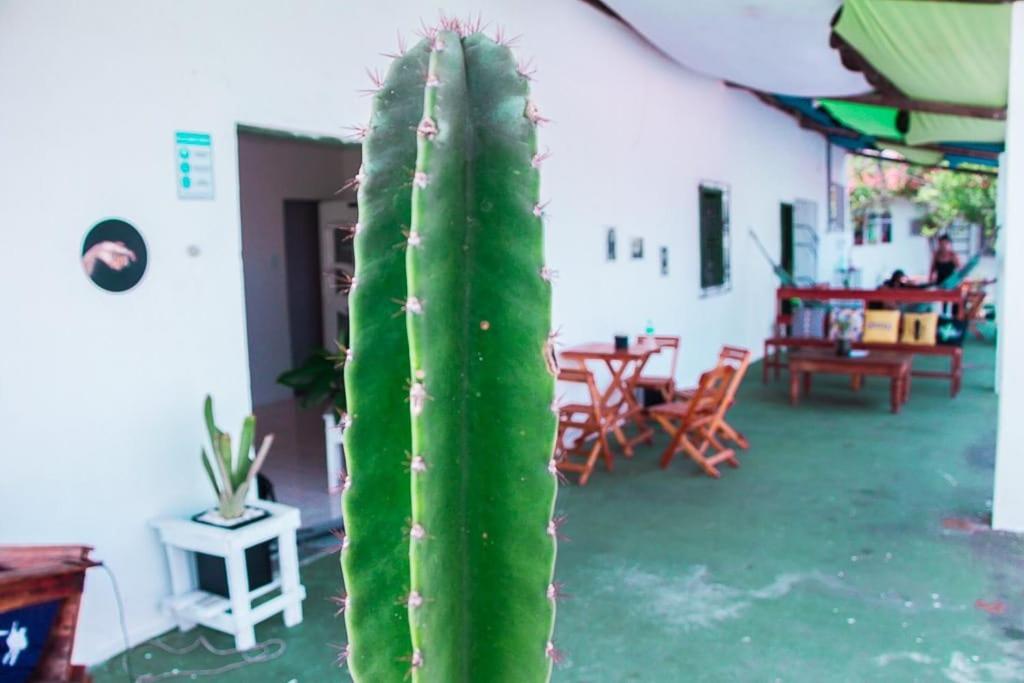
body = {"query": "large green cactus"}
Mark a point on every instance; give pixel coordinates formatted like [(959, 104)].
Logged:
[(450, 543)]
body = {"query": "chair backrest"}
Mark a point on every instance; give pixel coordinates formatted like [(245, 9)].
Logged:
[(973, 302), (712, 392), (739, 360), (734, 356), (664, 341), (581, 375)]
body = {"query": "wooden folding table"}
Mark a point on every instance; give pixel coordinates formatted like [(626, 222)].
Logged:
[(619, 397)]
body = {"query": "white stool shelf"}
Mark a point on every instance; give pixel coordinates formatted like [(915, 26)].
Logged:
[(236, 615)]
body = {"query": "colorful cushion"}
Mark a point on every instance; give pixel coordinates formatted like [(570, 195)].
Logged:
[(950, 331), (881, 327), (808, 323), (919, 328), (847, 323)]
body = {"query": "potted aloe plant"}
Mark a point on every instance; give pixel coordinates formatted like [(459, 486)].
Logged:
[(232, 473)]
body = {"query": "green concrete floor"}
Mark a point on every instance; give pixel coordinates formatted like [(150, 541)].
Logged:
[(842, 550)]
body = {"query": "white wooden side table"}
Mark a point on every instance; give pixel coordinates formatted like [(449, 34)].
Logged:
[(235, 615)]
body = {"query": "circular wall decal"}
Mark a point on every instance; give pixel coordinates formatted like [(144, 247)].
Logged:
[(114, 255)]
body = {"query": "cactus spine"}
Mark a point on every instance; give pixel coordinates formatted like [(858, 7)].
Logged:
[(450, 551)]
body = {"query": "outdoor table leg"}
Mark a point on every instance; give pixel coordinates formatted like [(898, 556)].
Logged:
[(639, 414), (614, 411), (794, 386), (895, 392), (633, 410), (620, 436), (807, 383), (765, 364)]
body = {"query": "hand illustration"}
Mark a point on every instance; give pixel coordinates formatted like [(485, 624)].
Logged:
[(115, 255)]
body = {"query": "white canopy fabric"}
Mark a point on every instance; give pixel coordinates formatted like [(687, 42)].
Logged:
[(778, 47)]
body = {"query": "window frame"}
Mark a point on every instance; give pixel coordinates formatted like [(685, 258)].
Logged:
[(726, 284)]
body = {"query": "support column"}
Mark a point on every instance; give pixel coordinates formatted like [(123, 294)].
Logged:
[(1008, 500)]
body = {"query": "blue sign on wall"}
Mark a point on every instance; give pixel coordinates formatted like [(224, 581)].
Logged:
[(193, 158)]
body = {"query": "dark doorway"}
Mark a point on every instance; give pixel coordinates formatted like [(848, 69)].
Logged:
[(786, 231), (285, 181), (786, 250), (302, 274)]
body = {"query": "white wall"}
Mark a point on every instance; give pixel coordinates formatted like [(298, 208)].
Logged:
[(100, 393), (272, 170), (833, 249), (1008, 503), (908, 252)]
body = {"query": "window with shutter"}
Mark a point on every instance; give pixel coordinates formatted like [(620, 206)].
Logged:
[(714, 238)]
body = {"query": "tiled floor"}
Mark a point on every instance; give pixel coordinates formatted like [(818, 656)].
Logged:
[(297, 466)]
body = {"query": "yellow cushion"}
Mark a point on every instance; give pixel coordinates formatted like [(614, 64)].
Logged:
[(881, 327), (919, 328)]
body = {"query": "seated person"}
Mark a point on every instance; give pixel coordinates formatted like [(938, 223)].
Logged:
[(898, 280)]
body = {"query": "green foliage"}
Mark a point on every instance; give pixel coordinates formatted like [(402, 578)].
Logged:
[(319, 380), (234, 471), (952, 197), (450, 549)]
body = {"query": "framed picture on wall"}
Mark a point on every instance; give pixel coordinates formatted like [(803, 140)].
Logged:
[(637, 248)]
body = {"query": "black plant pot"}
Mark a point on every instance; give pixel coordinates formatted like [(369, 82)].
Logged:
[(843, 347), (211, 570), (213, 573)]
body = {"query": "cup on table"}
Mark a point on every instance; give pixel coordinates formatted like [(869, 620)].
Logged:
[(621, 342)]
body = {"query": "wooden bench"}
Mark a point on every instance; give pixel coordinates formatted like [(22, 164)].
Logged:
[(780, 341)]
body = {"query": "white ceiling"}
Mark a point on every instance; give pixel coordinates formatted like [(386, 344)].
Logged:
[(778, 46)]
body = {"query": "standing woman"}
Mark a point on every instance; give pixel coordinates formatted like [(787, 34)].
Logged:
[(945, 262)]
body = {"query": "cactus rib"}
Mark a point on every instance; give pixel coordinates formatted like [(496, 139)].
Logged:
[(485, 429), (377, 439)]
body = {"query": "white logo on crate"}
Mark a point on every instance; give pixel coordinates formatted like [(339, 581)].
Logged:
[(17, 641)]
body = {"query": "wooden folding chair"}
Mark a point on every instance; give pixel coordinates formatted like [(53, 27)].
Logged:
[(974, 311), (692, 424), (665, 385), (739, 359), (585, 425)]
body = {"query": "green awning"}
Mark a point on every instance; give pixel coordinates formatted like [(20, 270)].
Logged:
[(931, 128), (868, 119), (925, 157), (954, 52)]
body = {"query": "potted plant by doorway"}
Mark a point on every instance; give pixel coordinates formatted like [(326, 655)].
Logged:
[(232, 473), (319, 382)]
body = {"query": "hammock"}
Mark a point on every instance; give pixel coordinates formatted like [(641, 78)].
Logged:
[(784, 275), (954, 280)]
